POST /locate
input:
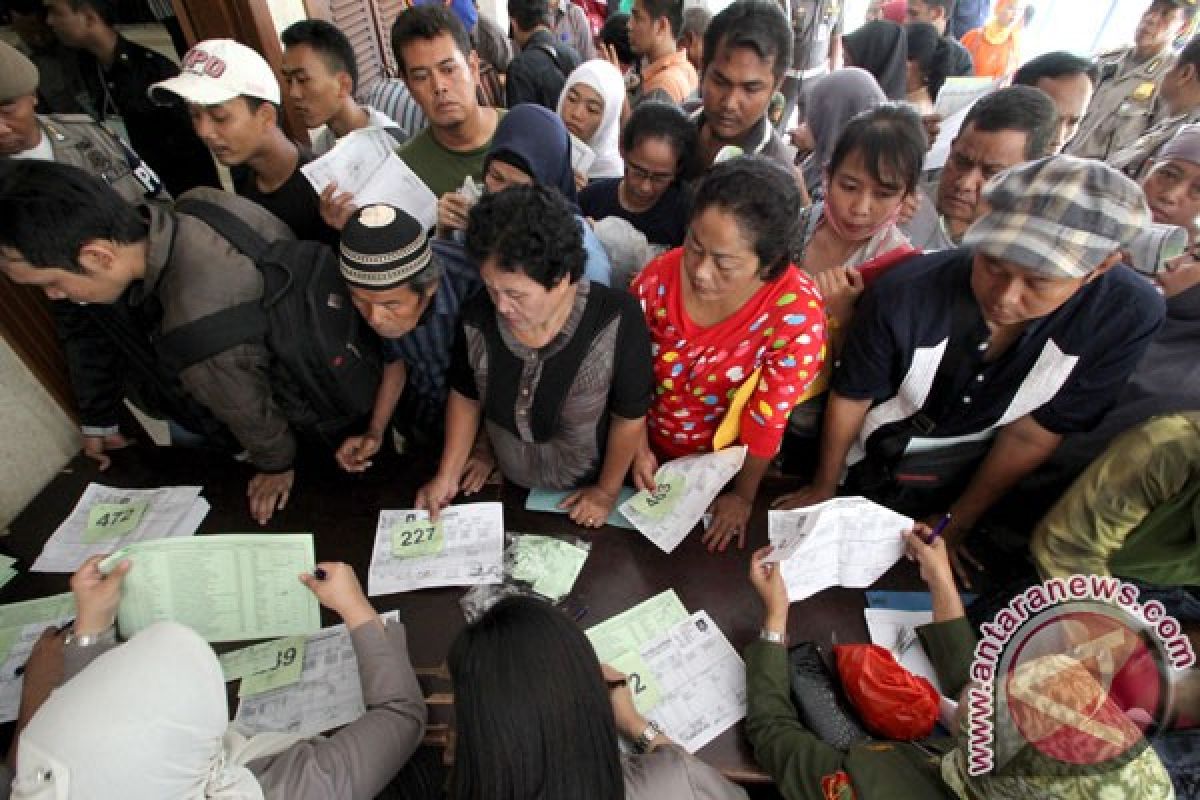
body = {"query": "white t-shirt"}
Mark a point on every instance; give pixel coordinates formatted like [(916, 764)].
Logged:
[(323, 139)]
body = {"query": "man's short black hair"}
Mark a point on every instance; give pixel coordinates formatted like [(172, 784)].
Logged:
[(328, 42), (528, 14), (427, 22), (1057, 64), (106, 10), (671, 9), (615, 32), (1190, 54), (757, 25), (1017, 108), (527, 229), (654, 120), (49, 211), (945, 5)]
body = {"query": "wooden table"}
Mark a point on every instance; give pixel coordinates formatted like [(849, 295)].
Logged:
[(341, 511)]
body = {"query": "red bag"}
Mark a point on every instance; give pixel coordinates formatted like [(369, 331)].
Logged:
[(890, 700)]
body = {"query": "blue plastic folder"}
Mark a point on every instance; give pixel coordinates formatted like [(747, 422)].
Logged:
[(908, 601), (547, 500)]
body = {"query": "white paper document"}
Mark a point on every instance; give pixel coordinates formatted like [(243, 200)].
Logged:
[(473, 552), (896, 631), (962, 92), (701, 682), (696, 481), (582, 156), (846, 541), (328, 694), (364, 163), (170, 511)]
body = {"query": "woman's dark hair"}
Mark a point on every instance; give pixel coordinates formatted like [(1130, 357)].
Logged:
[(932, 53), (891, 141), (615, 32), (766, 202), (652, 120), (528, 229), (532, 711), (49, 211)]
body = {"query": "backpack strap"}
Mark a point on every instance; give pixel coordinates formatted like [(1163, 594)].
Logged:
[(215, 333), (550, 50), (248, 241)]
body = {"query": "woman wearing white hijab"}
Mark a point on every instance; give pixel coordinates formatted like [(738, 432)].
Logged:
[(147, 720), (590, 106)]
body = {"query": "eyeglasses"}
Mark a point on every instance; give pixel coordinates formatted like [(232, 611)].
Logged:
[(658, 178)]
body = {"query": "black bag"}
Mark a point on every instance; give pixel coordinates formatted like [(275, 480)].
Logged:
[(819, 701), (327, 362)]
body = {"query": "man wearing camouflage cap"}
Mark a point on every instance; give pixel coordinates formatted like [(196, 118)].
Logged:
[(73, 139), (964, 369)]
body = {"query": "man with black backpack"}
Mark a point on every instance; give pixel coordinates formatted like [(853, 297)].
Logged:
[(189, 325), (540, 69)]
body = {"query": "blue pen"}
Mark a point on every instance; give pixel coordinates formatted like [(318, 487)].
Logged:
[(937, 530)]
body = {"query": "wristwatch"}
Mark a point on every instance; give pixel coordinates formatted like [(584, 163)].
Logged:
[(652, 732), (773, 637), (84, 640)]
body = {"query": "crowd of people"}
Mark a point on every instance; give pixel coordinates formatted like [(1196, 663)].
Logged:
[(977, 338)]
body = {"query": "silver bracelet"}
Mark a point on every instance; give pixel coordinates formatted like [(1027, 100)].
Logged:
[(84, 640), (652, 732), (773, 637)]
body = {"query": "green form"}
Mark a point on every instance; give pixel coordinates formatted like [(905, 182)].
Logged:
[(227, 588), (550, 565), (640, 680), (43, 609), (629, 630)]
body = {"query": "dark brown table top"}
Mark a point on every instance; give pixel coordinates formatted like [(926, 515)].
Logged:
[(341, 511)]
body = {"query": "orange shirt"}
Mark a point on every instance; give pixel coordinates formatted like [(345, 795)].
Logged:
[(674, 74), (992, 60)]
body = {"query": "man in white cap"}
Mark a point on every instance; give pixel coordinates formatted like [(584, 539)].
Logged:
[(233, 97), (964, 370)]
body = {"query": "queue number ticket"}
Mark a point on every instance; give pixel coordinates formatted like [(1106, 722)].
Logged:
[(669, 487), (266, 666), (417, 537), (113, 520)]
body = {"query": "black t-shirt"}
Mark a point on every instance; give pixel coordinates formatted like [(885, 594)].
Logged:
[(665, 223), (295, 202)]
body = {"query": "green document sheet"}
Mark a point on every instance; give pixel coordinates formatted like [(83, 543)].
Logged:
[(629, 630), (550, 565), (6, 575), (282, 667), (229, 587), (43, 609), (669, 488), (640, 680), (547, 500)]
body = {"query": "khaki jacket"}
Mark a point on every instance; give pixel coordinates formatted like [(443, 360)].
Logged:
[(77, 140), (1124, 105)]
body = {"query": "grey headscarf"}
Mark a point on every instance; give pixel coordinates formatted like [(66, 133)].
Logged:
[(833, 101)]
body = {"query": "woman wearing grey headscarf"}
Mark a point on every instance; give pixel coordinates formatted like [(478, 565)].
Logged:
[(833, 101)]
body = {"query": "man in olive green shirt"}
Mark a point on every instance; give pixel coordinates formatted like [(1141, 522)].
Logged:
[(441, 71), (1133, 513)]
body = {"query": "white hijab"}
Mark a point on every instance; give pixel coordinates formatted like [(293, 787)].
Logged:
[(145, 721), (606, 80)]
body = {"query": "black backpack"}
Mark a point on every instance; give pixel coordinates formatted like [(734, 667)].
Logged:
[(327, 362)]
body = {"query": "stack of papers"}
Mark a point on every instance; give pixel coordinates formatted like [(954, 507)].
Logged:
[(227, 588), (684, 490), (550, 566), (20, 626), (893, 630), (682, 671), (846, 541), (328, 693), (464, 548), (364, 163), (106, 518), (547, 500)]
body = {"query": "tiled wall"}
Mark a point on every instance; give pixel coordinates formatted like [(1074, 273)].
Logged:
[(36, 437)]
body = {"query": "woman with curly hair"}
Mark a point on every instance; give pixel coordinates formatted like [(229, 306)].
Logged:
[(554, 366)]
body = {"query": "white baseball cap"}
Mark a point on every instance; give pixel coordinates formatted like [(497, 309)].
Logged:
[(218, 70)]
